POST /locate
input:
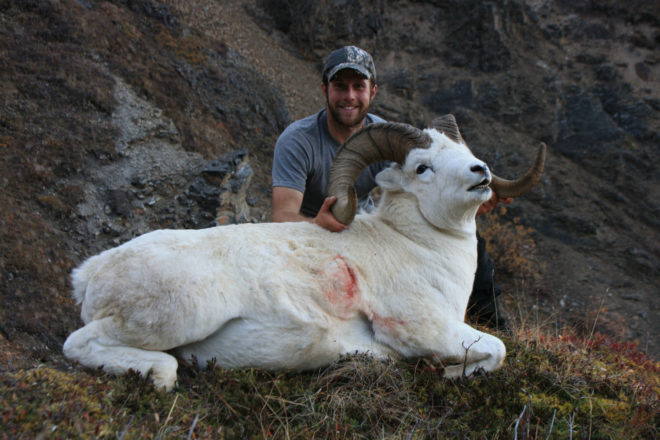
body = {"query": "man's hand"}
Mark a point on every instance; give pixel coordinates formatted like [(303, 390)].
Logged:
[(492, 203), (286, 208), (326, 219)]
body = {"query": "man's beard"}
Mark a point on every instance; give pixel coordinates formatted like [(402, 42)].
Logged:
[(336, 115)]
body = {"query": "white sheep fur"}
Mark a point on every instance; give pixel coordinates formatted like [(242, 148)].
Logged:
[(293, 295)]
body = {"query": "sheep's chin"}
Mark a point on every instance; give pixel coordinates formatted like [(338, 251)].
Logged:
[(481, 194), (481, 186)]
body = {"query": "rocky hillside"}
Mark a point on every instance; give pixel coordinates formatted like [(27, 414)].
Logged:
[(119, 117)]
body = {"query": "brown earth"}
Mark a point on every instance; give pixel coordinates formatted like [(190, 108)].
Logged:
[(111, 113)]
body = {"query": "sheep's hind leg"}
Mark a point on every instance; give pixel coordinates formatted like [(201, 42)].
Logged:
[(94, 347), (472, 350)]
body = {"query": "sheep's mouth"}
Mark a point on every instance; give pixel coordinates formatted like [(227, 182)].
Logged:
[(480, 186)]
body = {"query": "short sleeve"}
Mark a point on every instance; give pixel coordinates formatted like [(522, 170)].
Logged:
[(291, 161)]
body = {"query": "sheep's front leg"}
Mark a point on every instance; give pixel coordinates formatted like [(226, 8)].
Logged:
[(468, 350), (95, 345)]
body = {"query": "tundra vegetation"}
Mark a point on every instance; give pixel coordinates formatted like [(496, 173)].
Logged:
[(551, 386)]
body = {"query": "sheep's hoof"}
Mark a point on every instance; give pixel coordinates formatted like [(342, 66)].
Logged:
[(454, 371), (163, 383), (164, 378)]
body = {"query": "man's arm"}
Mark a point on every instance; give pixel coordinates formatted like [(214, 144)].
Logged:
[(286, 208)]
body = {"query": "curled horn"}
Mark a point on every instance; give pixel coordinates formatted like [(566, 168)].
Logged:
[(503, 188), (373, 143), (514, 188)]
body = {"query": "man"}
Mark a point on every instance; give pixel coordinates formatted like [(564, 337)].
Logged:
[(305, 150)]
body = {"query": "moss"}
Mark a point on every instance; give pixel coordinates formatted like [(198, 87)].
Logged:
[(549, 403), (48, 401)]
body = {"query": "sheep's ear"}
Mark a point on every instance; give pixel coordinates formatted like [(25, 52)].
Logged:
[(390, 178)]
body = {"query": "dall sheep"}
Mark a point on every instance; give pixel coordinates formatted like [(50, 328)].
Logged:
[(295, 296)]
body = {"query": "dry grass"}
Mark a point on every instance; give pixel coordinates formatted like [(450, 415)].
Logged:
[(550, 387)]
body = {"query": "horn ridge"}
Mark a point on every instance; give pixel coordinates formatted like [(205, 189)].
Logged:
[(447, 124), (358, 153), (371, 138)]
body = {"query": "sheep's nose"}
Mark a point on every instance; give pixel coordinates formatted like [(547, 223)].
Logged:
[(479, 169)]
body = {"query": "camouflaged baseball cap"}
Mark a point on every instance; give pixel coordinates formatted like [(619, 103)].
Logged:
[(350, 57)]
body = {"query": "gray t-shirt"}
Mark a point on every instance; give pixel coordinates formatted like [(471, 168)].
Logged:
[(303, 156)]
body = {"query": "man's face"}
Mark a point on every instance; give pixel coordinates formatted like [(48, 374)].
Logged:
[(348, 97)]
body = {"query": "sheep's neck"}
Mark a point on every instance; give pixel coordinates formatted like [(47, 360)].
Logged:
[(401, 212)]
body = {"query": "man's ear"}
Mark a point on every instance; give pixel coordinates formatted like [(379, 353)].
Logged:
[(373, 91), (390, 178), (324, 88)]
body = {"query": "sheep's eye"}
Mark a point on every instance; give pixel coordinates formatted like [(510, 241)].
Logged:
[(421, 168)]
